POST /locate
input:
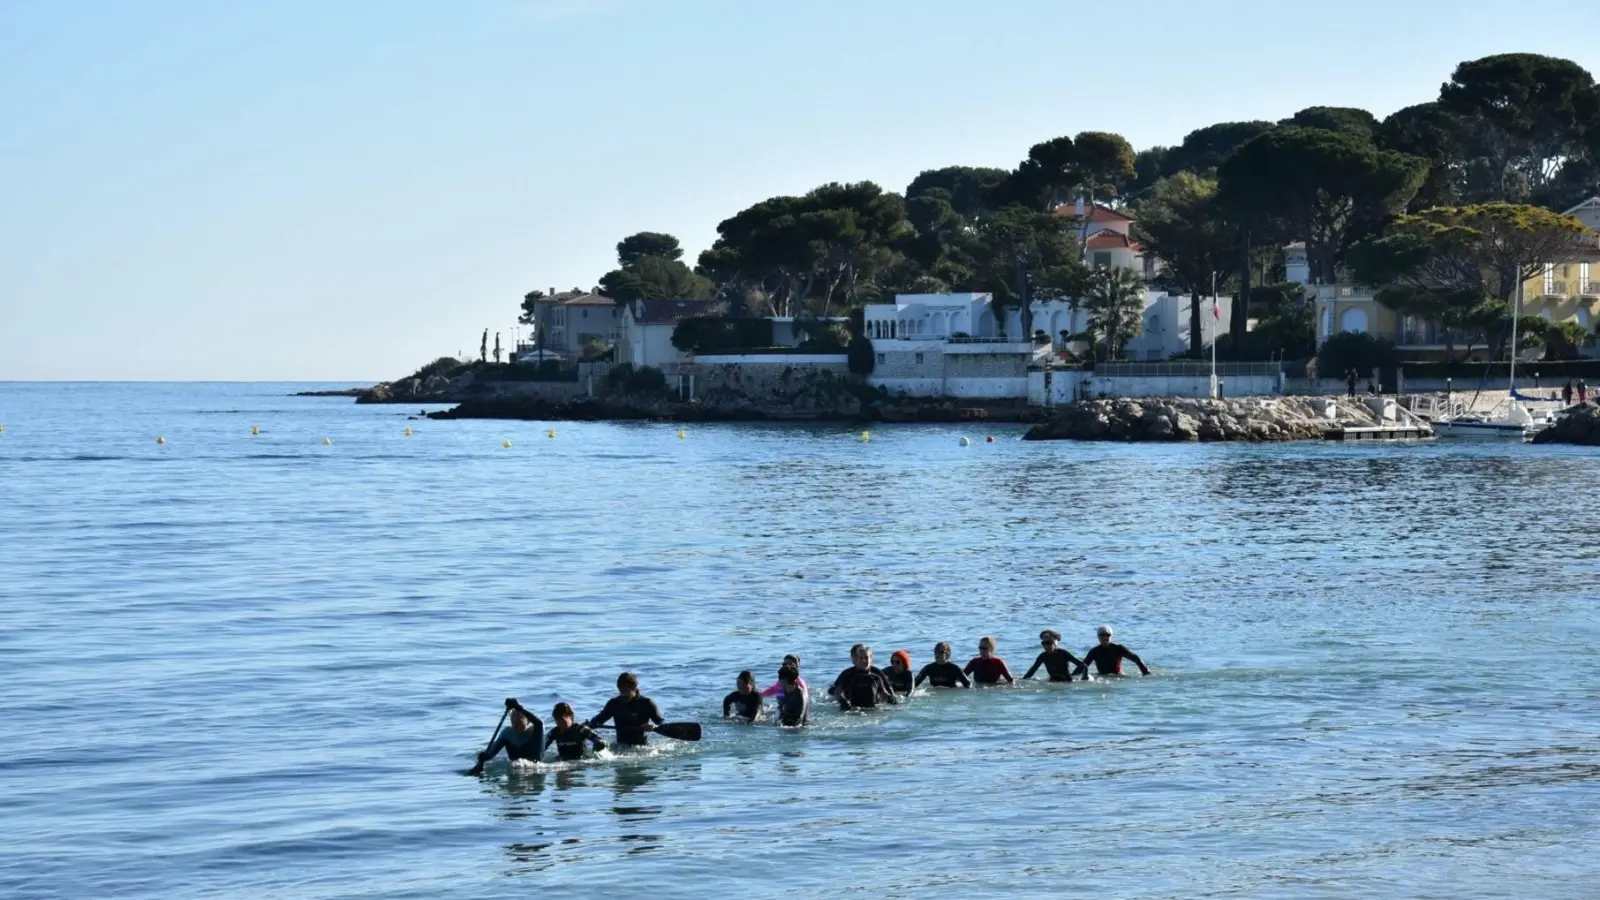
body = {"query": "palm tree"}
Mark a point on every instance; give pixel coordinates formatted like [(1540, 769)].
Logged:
[(1115, 301)]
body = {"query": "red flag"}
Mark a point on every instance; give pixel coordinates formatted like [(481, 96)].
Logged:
[(1215, 313)]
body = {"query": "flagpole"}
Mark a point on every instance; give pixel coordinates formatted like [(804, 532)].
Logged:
[(1215, 319)]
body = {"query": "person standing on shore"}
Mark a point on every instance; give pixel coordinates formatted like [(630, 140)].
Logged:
[(1057, 662), (1107, 657), (1350, 381), (986, 668), (942, 672), (1566, 393), (1583, 392)]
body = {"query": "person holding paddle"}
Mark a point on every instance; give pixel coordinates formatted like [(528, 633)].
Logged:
[(776, 689), (635, 714), (1056, 661), (862, 686), (523, 740)]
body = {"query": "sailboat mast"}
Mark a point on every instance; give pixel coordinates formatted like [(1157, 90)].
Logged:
[(1516, 310)]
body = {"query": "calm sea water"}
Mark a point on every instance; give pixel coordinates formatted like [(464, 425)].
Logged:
[(256, 666)]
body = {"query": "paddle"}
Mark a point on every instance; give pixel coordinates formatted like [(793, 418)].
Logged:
[(678, 731), (511, 703)]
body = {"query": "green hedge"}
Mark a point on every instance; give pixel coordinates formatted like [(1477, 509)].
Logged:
[(549, 370), (719, 334)]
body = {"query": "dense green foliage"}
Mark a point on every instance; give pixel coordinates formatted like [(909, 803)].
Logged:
[(1350, 350), (716, 334), (1218, 206)]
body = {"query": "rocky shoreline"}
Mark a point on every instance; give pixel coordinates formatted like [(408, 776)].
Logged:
[(1182, 419), (1575, 425), (637, 409)]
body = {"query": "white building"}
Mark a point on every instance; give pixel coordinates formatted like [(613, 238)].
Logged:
[(646, 330)]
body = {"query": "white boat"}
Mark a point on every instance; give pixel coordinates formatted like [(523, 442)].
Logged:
[(1509, 422)]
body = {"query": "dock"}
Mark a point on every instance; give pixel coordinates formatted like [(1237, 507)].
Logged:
[(1378, 433)]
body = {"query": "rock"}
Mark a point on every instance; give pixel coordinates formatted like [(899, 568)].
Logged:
[(436, 384), (1575, 425), (1191, 419)]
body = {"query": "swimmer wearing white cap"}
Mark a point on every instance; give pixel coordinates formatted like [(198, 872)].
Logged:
[(1107, 657)]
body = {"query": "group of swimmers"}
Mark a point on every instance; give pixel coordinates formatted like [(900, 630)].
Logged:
[(861, 686)]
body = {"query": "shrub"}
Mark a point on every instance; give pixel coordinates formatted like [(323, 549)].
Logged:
[(626, 378), (1353, 350), (860, 356), (719, 334), (594, 350), (444, 365)]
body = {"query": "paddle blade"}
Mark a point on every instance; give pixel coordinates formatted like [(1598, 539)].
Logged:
[(680, 731)]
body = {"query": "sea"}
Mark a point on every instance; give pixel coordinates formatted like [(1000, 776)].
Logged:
[(251, 642)]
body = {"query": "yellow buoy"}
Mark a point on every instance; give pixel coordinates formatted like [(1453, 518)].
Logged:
[(506, 445), (551, 433), (326, 441), (2, 429), (254, 431), (681, 434), (160, 440), (408, 431), (865, 436)]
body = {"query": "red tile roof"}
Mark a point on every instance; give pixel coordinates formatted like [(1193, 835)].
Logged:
[(1111, 240), (1097, 213)]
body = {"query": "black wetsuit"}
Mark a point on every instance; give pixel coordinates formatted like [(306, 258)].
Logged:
[(630, 716), (569, 741), (1107, 659), (943, 674), (793, 705), (900, 681), (528, 745), (1059, 663), (749, 705), (862, 688)]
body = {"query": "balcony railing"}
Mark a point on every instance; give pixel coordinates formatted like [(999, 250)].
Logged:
[(1591, 289), (1555, 289), (1439, 337)]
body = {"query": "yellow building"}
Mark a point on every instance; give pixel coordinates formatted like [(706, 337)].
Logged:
[(1567, 292)]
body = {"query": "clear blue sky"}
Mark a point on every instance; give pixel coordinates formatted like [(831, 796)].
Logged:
[(343, 190)]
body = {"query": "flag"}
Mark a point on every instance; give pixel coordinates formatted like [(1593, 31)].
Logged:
[(1215, 312)]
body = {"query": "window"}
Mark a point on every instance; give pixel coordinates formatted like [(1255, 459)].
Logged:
[(880, 358), (1549, 279), (1585, 286), (1155, 323), (586, 314), (919, 359), (1102, 260)]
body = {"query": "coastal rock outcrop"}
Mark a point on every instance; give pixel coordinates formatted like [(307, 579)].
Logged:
[(1188, 419), (1576, 425)]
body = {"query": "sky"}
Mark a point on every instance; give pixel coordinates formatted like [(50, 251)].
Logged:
[(342, 191)]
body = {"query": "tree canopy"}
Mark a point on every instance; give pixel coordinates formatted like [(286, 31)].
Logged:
[(650, 270)]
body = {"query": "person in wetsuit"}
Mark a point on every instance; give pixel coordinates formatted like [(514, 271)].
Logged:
[(568, 736), (862, 686), (635, 714), (942, 672), (794, 704), (523, 740), (899, 674), (1056, 661), (986, 668), (746, 699), (776, 688), (1107, 657)]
